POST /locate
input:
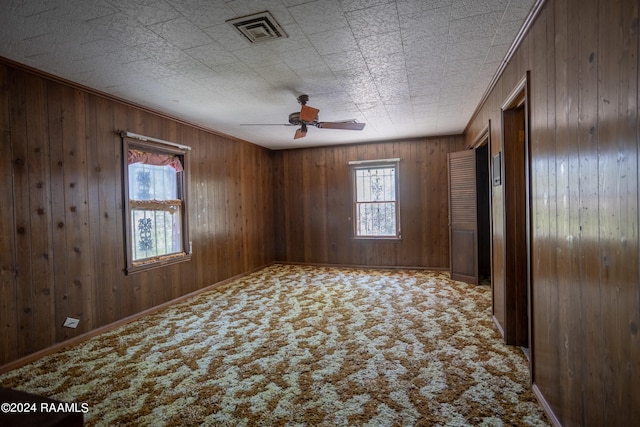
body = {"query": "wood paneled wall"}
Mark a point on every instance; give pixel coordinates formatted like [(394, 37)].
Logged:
[(313, 212), (584, 130), (61, 212)]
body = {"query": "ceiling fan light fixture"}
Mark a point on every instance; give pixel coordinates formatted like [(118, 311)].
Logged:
[(258, 27)]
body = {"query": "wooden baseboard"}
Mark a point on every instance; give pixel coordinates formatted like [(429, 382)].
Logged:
[(365, 267), (498, 325), (83, 337), (545, 406)]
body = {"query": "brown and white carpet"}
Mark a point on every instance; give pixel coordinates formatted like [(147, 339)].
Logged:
[(301, 346)]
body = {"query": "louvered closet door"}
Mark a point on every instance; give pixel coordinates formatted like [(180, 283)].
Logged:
[(463, 228)]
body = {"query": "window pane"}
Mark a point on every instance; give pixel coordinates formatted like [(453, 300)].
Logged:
[(377, 184), (376, 219), (376, 201), (149, 182), (156, 222), (155, 233)]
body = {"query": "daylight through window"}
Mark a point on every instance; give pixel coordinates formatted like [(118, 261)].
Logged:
[(376, 202), (155, 190)]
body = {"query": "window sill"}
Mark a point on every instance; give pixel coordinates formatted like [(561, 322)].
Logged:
[(150, 264), (383, 238)]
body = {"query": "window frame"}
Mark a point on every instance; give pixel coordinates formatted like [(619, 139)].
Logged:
[(159, 147), (375, 164)]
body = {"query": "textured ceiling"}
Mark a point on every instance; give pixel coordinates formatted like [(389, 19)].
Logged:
[(406, 68)]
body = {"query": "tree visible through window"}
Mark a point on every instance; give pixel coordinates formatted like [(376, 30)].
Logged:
[(155, 210), (376, 201), (155, 193)]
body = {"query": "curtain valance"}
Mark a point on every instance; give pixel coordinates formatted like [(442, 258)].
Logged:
[(156, 159)]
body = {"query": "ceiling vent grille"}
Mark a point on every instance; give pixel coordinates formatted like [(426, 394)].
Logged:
[(258, 27)]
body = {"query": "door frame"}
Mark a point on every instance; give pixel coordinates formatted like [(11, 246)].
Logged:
[(484, 137), (520, 97)]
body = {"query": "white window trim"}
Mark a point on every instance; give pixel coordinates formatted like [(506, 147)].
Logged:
[(150, 145), (368, 164)]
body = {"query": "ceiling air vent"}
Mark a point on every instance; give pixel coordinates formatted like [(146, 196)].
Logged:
[(258, 27)]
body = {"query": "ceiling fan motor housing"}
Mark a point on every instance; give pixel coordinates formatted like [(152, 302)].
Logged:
[(294, 118)]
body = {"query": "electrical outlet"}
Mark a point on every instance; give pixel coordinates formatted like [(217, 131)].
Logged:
[(71, 323)]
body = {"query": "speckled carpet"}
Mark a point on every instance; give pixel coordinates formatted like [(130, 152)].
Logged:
[(301, 346)]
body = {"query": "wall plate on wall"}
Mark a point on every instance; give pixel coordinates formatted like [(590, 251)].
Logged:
[(70, 322), (496, 169)]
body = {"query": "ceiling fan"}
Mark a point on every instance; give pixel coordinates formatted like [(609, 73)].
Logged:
[(308, 116)]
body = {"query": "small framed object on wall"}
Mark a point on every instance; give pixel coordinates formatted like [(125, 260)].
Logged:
[(496, 168)]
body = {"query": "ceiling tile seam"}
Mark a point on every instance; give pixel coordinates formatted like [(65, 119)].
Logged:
[(368, 65), (404, 55), (495, 34), (446, 55), (40, 12), (309, 42)]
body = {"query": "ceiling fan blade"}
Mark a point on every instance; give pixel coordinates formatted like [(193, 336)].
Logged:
[(308, 114), (341, 125), (300, 134), (266, 124)]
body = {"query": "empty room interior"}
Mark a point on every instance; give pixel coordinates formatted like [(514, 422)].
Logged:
[(337, 182)]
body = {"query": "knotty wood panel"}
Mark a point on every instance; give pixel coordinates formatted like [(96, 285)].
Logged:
[(8, 269), (61, 224), (585, 297), (314, 204)]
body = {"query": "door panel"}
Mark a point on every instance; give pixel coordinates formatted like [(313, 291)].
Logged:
[(463, 228), (462, 259)]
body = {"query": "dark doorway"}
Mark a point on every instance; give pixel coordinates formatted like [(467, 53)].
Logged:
[(483, 197), (515, 163), (469, 214)]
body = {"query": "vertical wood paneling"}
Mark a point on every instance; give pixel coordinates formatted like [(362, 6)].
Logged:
[(337, 175), (315, 193), (574, 333), (436, 231), (8, 286), (200, 191), (583, 60), (39, 201), (126, 288), (107, 211), (411, 203), (79, 280), (56, 164), (61, 237), (544, 196), (21, 159), (590, 265), (618, 207)]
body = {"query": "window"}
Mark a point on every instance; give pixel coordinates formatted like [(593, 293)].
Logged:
[(376, 213), (156, 218)]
